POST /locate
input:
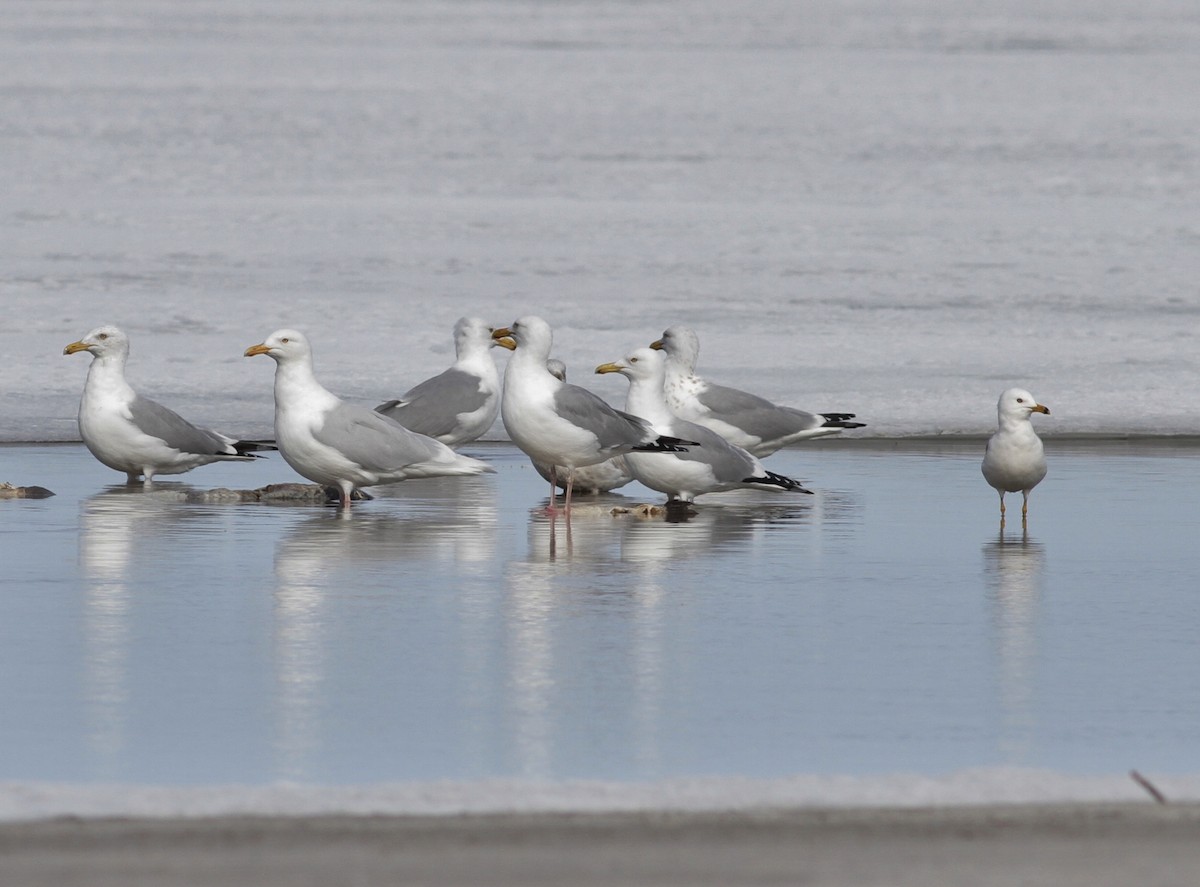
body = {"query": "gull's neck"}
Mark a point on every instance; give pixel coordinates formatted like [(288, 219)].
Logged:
[(297, 388), (645, 399), (106, 377), (1015, 423), (477, 358)]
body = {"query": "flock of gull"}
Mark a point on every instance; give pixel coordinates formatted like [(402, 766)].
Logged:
[(678, 434)]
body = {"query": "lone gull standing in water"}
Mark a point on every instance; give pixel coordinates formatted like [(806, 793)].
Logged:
[(344, 445), (558, 423), (747, 420), (599, 478), (1015, 460), (715, 466), (131, 433), (459, 404)]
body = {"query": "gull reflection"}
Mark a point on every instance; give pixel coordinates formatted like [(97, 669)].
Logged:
[(121, 533), (566, 569), (1012, 570), (655, 541), (113, 526), (108, 527), (587, 534), (328, 550), (458, 516), (530, 605)]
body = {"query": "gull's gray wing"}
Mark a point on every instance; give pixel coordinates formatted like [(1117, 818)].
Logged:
[(373, 441), (730, 464), (433, 406), (755, 414), (612, 428), (157, 421)]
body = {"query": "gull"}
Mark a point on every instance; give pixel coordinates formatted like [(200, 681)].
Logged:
[(744, 419), (557, 423), (715, 466), (335, 443), (459, 404), (1014, 459), (599, 478), (131, 433)]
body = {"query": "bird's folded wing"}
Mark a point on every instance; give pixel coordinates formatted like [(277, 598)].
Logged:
[(373, 441), (157, 421), (612, 427)]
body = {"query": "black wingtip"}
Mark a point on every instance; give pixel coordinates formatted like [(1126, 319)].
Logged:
[(665, 444), (249, 447), (840, 420), (778, 480)]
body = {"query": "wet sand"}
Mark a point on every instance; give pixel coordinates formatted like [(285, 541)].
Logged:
[(1062, 845)]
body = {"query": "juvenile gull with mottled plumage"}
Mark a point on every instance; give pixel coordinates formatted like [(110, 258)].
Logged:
[(747, 420)]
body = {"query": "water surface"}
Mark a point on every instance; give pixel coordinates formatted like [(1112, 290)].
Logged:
[(450, 630)]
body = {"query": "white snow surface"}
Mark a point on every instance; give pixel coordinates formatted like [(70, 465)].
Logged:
[(897, 210)]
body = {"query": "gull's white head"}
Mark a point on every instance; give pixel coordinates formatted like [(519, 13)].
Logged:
[(1017, 403), (472, 332), (103, 341), (681, 344), (283, 346), (530, 334), (642, 365)]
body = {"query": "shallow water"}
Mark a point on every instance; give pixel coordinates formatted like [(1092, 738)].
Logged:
[(449, 630)]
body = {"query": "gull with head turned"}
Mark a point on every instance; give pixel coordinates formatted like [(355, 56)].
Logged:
[(459, 404), (557, 423), (131, 433), (335, 443), (747, 420)]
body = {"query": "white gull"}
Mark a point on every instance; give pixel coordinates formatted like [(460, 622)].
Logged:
[(714, 466), (131, 433), (555, 422), (1015, 460), (459, 404), (340, 444), (602, 477)]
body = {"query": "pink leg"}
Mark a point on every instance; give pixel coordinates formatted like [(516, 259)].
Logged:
[(570, 486)]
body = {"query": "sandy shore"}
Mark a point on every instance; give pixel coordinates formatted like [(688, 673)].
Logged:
[(1061, 845)]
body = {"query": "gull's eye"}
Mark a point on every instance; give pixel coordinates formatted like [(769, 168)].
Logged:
[(1020, 400), (284, 340), (102, 336), (633, 360)]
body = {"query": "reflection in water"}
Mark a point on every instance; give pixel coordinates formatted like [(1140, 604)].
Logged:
[(529, 616), (1013, 570), (544, 590), (109, 524), (118, 532), (329, 545)]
